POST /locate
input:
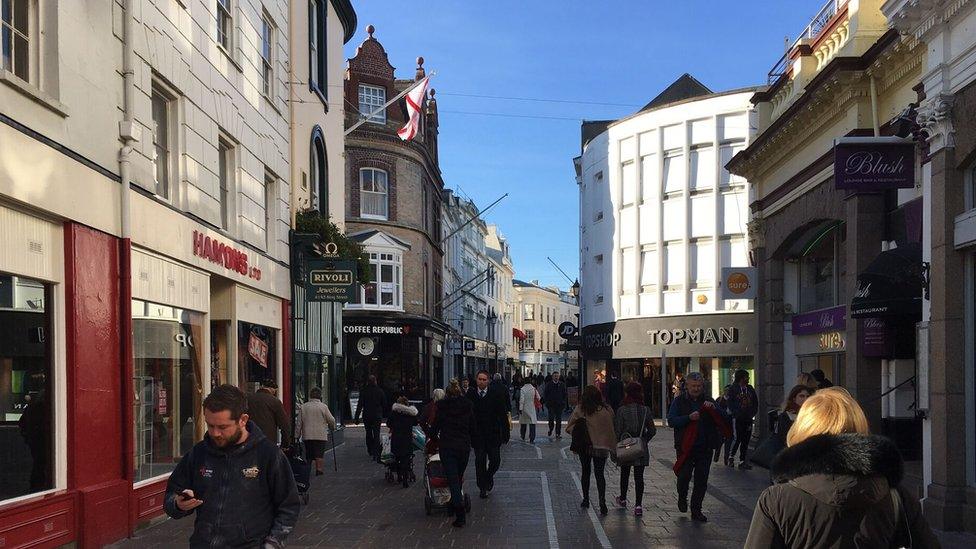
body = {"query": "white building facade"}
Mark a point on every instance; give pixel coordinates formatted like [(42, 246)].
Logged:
[(501, 306), (538, 312), (660, 218)]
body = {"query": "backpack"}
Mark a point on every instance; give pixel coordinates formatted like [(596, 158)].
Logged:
[(581, 442)]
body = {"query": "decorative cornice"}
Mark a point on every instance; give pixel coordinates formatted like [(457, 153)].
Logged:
[(935, 117), (919, 18), (347, 15)]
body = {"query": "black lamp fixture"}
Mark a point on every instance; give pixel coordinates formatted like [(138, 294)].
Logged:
[(574, 290)]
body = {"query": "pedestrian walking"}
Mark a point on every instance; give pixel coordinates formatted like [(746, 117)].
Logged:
[(699, 427), (596, 420), (427, 415), (788, 412), (403, 416), (554, 398), (528, 397), (634, 420), (722, 402), (820, 377), (268, 413), (837, 485), (372, 403), (615, 390), (453, 423), (314, 422), (236, 481), (808, 381), (490, 417), (743, 405)]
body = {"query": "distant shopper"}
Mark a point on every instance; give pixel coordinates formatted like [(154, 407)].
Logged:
[(268, 413), (597, 418), (615, 390), (837, 485), (743, 405), (678, 387), (634, 419), (236, 481), (808, 381), (528, 396), (452, 427), (402, 418), (372, 403), (722, 402), (314, 422), (554, 398), (821, 378), (427, 415), (699, 427), (490, 418), (788, 412)]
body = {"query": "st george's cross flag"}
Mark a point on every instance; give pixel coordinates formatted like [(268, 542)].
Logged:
[(415, 102)]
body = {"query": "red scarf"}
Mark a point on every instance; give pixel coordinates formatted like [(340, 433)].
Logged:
[(691, 433)]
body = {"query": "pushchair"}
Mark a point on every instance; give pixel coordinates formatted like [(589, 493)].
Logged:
[(437, 494), (300, 468), (389, 460)]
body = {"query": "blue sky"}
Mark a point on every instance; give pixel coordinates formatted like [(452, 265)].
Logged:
[(587, 51)]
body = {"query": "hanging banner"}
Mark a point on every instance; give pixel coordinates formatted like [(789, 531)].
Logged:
[(258, 350), (331, 280), (874, 163)]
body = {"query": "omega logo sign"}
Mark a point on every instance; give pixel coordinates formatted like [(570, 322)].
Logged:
[(694, 336)]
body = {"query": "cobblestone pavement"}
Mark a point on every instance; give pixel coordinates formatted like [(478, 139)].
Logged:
[(535, 503)]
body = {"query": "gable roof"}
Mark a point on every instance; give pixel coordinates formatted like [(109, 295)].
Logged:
[(685, 87), (377, 237)]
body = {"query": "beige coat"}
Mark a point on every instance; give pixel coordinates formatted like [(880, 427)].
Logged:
[(314, 420), (599, 426)]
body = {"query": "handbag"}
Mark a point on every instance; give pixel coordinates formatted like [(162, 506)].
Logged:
[(538, 401), (631, 449), (581, 442)]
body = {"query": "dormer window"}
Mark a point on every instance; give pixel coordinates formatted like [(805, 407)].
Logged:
[(371, 99)]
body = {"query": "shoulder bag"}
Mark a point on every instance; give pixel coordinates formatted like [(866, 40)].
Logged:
[(631, 448), (581, 442)]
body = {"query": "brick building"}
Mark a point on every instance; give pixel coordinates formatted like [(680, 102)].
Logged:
[(393, 327)]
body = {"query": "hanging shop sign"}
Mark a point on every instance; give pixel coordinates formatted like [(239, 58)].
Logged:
[(365, 346), (258, 350), (874, 163), (739, 282), (468, 345), (818, 322), (567, 330), (330, 280)]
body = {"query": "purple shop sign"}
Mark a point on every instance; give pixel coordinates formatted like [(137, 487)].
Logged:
[(874, 163), (875, 342), (818, 322)]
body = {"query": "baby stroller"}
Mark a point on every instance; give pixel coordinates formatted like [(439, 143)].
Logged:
[(389, 460), (300, 468), (437, 490)]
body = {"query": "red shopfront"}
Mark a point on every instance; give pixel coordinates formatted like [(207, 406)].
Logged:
[(70, 469)]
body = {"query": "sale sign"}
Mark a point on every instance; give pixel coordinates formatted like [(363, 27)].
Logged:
[(258, 350)]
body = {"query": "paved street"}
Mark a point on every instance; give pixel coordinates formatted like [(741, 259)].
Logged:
[(535, 503)]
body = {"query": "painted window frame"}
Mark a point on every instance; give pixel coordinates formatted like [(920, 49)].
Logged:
[(224, 17), (378, 258), (227, 183), (380, 94), (29, 33), (318, 55), (269, 36), (363, 193), (170, 100)]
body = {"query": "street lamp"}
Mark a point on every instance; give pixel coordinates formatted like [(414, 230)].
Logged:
[(574, 290)]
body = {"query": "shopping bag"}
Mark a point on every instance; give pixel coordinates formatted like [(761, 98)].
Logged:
[(419, 438)]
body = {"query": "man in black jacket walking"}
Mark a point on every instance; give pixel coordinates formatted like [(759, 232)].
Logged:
[(489, 417), (236, 481), (554, 396), (268, 413), (743, 405), (372, 403)]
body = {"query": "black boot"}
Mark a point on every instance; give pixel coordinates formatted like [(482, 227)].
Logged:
[(682, 503), (458, 521)]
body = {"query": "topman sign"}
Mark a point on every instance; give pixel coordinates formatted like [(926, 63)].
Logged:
[(693, 336), (709, 335)]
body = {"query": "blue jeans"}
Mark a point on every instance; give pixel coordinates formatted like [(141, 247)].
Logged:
[(455, 462)]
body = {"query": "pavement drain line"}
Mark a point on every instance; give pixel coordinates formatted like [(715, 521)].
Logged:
[(601, 534), (538, 450), (550, 519)]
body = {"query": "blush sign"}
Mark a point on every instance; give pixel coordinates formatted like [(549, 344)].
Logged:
[(818, 322), (258, 350), (874, 163)]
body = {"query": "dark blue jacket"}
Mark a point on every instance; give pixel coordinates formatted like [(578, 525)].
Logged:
[(743, 402), (679, 418), (248, 492)]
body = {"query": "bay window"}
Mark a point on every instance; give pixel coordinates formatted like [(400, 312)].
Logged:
[(385, 287)]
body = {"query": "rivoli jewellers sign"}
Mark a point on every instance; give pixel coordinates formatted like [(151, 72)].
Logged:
[(874, 163)]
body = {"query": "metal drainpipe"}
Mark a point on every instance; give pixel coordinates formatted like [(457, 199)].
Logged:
[(874, 107), (126, 133)]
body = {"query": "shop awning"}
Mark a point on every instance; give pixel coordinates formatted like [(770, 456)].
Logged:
[(518, 334), (891, 286)]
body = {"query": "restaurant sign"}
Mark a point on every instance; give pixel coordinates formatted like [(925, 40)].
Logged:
[(874, 163), (818, 322)]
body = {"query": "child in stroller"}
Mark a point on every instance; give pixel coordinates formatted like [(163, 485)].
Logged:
[(399, 465)]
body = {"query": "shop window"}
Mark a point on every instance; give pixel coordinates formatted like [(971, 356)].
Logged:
[(374, 193), (167, 385), (371, 100), (385, 287), (26, 456), (819, 269), (15, 30), (256, 355)]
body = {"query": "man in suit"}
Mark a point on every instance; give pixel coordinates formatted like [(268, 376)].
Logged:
[(486, 439)]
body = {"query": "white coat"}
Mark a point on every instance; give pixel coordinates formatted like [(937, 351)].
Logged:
[(314, 420), (527, 395)]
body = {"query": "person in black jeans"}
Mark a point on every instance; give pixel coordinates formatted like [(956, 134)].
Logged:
[(490, 417), (372, 402), (743, 405), (554, 396), (453, 423)]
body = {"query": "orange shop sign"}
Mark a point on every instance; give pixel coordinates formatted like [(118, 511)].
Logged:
[(739, 283)]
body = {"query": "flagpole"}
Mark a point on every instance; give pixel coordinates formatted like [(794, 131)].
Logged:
[(387, 104)]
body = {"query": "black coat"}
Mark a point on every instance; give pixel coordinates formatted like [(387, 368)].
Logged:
[(554, 396), (503, 389), (489, 417), (743, 402), (248, 492), (453, 423), (615, 392), (372, 403), (834, 491), (401, 421)]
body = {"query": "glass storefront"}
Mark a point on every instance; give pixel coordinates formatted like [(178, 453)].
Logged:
[(832, 365), (26, 460), (167, 384), (256, 355)]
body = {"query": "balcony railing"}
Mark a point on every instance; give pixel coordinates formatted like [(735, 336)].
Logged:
[(811, 32)]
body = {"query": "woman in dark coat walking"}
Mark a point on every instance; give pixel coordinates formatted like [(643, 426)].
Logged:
[(402, 418), (790, 409), (453, 423), (634, 419), (837, 485)]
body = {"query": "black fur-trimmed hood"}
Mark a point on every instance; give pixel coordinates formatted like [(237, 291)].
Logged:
[(847, 454)]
